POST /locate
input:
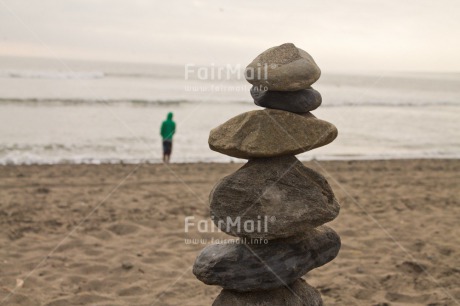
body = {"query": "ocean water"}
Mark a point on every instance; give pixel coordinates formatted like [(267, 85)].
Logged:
[(99, 112)]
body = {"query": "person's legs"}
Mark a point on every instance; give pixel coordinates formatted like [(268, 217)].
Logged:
[(167, 147)]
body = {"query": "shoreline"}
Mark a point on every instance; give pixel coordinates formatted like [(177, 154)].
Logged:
[(239, 161), (127, 245)]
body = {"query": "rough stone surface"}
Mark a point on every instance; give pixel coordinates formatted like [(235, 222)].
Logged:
[(299, 293), (270, 133), (249, 267), (299, 101), (283, 68), (292, 198)]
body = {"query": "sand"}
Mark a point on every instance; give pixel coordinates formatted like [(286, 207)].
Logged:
[(398, 222)]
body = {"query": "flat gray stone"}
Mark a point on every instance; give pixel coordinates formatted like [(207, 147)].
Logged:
[(299, 293), (270, 133), (283, 68), (299, 101), (250, 267), (281, 194)]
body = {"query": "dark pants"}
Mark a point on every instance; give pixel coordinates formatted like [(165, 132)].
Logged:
[(167, 147)]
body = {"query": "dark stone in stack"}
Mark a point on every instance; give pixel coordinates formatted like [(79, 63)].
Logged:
[(299, 101)]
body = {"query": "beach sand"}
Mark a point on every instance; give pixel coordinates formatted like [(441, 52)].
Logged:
[(398, 223)]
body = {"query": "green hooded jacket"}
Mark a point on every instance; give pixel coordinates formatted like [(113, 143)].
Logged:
[(168, 128)]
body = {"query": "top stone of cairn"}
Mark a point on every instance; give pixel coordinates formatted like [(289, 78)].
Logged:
[(283, 68)]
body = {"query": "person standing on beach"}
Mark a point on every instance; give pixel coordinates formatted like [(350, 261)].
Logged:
[(168, 128)]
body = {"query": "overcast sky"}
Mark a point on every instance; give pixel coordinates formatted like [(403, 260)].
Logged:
[(356, 35)]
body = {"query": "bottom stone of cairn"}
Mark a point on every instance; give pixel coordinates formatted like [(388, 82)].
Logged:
[(299, 293)]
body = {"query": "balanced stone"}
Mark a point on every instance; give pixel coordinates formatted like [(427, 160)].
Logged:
[(249, 267), (283, 68), (299, 293), (272, 198), (270, 133), (299, 101)]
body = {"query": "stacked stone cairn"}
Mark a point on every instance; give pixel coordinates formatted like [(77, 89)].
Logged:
[(275, 204)]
